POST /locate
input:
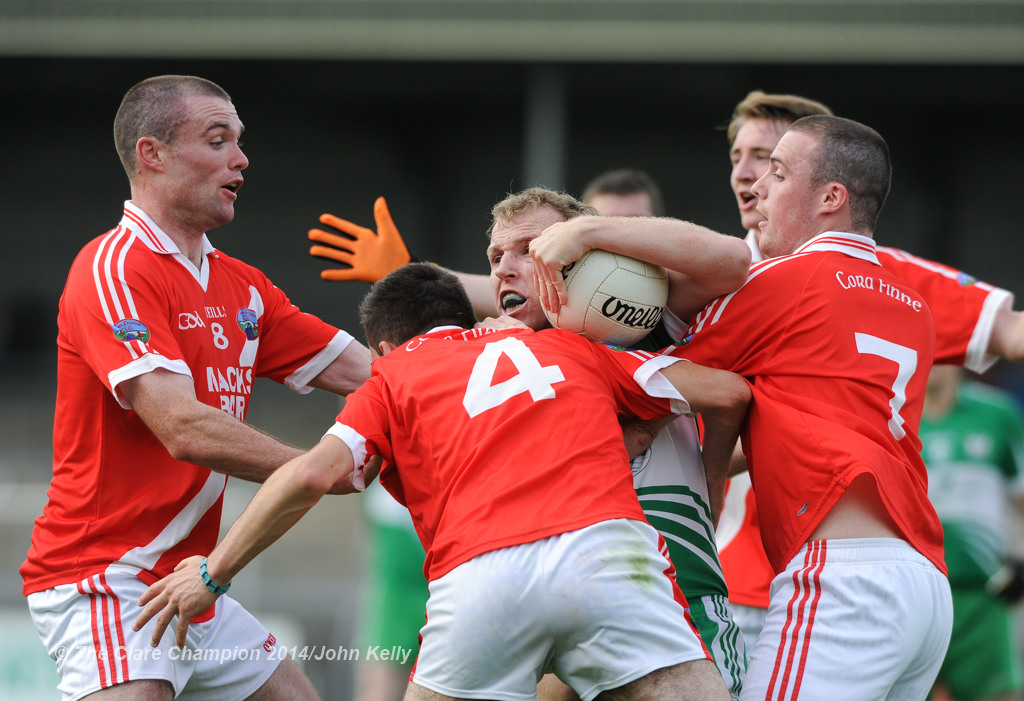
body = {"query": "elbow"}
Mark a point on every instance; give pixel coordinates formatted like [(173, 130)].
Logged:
[(735, 398), (312, 479), (739, 266)]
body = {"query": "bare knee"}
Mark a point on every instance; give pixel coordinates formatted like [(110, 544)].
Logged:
[(288, 682)]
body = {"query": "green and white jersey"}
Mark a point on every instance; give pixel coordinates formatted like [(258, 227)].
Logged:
[(670, 482), (974, 455)]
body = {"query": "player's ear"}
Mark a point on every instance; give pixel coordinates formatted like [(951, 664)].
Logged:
[(149, 153), (386, 347), (833, 197)]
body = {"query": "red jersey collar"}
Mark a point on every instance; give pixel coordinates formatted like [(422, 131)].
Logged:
[(854, 245), (151, 234)]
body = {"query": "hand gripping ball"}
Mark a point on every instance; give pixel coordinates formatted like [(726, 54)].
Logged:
[(613, 298)]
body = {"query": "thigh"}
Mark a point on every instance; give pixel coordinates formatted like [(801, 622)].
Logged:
[(87, 628), (485, 634), (617, 611), (852, 620), (697, 680)]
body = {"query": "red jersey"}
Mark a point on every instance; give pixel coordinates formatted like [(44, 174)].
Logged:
[(965, 311), (495, 439), (964, 308), (838, 352), (133, 303)]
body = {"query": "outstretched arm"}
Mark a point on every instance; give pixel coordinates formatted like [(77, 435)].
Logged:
[(701, 264), (278, 505), (371, 255)]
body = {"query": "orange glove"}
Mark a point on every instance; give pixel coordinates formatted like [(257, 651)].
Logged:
[(370, 255)]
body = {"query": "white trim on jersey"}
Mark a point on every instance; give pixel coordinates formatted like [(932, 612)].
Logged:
[(147, 363), (357, 446), (145, 557), (977, 357), (300, 379), (650, 379)]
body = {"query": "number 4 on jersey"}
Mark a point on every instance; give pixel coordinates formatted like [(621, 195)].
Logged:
[(482, 394)]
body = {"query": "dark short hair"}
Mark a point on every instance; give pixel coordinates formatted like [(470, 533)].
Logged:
[(411, 300), (855, 156), (155, 107), (626, 181)]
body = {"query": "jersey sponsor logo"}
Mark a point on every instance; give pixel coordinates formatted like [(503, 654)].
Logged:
[(130, 330), (233, 385), (190, 320), (215, 313), (965, 279), (637, 316), (249, 322)]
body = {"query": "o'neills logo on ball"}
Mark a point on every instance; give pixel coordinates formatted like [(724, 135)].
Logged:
[(637, 316)]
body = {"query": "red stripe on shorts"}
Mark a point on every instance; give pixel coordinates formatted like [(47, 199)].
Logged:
[(122, 654), (796, 632), (97, 648)]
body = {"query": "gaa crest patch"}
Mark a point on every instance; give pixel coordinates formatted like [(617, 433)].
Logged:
[(249, 322), (130, 330)]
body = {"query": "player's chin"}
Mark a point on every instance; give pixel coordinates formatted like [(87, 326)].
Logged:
[(532, 315)]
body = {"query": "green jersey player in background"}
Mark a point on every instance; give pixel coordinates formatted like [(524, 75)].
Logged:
[(972, 439)]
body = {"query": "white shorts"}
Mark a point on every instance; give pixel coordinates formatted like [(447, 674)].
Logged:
[(596, 606), (750, 619), (87, 629), (852, 620)]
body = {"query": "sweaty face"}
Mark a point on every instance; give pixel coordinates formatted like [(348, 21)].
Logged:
[(203, 166), (636, 204), (786, 200), (515, 292), (754, 143)]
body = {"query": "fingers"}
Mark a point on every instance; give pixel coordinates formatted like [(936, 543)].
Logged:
[(341, 255), (354, 274), (381, 215), (330, 239), (344, 225)]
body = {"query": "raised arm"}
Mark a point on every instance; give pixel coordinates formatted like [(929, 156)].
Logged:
[(278, 505), (371, 255), (702, 264)]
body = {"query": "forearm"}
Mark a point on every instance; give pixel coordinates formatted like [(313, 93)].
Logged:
[(701, 264), (224, 444), (676, 245), (481, 295), (283, 499), (720, 442), (348, 371)]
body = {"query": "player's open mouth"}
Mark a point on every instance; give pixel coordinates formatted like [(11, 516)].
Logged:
[(510, 301), (233, 185), (746, 197)]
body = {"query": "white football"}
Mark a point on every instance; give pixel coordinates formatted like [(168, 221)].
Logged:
[(613, 298)]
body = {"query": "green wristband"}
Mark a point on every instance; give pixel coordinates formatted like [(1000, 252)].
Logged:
[(208, 581)]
